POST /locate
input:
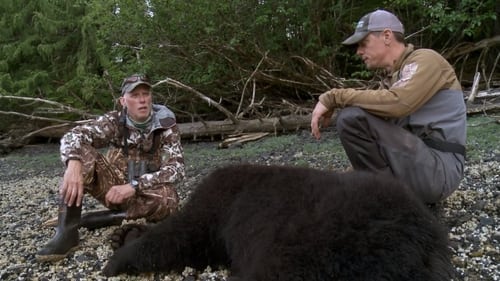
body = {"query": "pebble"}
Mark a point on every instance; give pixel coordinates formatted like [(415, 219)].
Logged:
[(28, 197)]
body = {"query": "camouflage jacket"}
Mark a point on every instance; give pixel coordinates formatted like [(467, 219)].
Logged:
[(166, 160)]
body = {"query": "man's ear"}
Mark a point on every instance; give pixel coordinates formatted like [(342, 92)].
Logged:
[(122, 101), (387, 33)]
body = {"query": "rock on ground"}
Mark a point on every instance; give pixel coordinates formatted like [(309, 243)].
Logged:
[(28, 192)]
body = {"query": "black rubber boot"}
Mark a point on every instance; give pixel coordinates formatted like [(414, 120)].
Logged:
[(98, 219), (66, 238)]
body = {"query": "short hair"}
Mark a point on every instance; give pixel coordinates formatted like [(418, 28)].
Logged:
[(399, 37)]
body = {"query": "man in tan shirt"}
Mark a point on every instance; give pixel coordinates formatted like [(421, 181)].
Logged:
[(413, 129)]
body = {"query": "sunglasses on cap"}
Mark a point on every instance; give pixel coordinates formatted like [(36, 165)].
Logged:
[(135, 78)]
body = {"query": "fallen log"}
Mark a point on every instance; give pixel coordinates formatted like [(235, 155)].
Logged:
[(223, 128), (238, 139), (212, 130), (482, 108)]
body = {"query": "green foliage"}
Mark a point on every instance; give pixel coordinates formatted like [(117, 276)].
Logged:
[(48, 51), (77, 52), (449, 22)]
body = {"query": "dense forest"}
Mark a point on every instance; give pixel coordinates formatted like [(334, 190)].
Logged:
[(65, 60)]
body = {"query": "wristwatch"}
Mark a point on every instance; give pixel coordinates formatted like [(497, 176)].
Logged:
[(134, 184)]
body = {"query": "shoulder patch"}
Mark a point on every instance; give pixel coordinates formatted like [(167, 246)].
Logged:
[(406, 74)]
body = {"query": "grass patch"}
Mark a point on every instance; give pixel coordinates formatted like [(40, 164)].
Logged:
[(298, 149), (483, 137), (483, 140)]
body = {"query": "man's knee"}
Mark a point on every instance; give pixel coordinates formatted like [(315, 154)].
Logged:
[(352, 121), (349, 117)]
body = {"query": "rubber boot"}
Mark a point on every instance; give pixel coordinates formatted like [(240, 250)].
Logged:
[(66, 238), (98, 219), (95, 219)]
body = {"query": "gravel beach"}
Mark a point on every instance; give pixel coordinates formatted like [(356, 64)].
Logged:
[(28, 192)]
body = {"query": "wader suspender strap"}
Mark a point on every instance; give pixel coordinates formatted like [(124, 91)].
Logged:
[(439, 144), (125, 140), (130, 165), (125, 133), (154, 147), (445, 146)]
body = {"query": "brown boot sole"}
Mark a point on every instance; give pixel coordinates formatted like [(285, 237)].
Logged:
[(53, 258), (50, 222)]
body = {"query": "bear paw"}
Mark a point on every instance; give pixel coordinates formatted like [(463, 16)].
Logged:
[(126, 234)]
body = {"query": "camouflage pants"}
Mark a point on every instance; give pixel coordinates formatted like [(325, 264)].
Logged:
[(100, 174)]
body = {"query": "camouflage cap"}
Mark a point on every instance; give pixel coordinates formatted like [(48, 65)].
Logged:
[(131, 82)]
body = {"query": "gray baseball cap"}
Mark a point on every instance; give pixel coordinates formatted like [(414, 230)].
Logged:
[(131, 82), (375, 21)]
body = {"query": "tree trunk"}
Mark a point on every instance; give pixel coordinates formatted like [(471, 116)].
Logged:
[(189, 131), (222, 128)]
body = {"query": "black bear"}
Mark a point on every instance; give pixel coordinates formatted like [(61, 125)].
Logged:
[(271, 223)]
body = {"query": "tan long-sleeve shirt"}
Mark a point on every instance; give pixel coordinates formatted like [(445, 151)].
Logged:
[(418, 75)]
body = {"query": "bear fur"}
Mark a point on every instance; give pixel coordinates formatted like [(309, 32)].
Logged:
[(271, 223)]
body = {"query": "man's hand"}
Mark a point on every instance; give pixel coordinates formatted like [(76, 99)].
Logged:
[(71, 189), (320, 114), (118, 194)]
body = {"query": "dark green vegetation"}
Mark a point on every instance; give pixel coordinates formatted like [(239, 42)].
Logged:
[(299, 149), (77, 52)]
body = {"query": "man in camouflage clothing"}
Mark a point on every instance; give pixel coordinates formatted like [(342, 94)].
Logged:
[(133, 180)]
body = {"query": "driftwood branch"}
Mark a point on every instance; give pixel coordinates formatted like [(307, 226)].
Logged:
[(472, 47), (465, 51), (483, 108), (238, 139), (211, 102), (224, 128), (475, 86), (32, 117), (246, 83), (65, 108), (285, 115)]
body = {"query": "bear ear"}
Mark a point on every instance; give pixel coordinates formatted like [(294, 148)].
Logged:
[(126, 234)]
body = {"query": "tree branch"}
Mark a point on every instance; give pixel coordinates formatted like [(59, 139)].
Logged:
[(65, 108), (210, 102)]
